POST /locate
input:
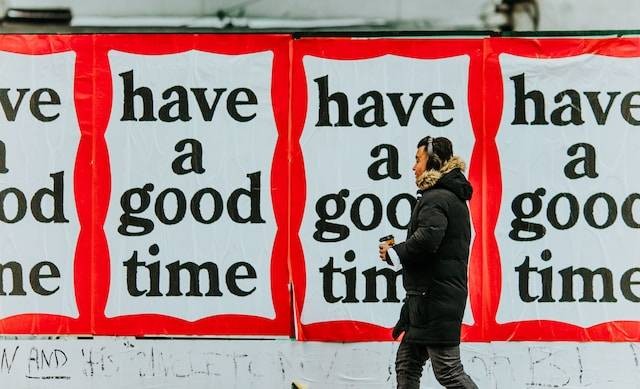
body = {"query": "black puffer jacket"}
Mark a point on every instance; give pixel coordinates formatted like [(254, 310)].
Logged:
[(434, 258)]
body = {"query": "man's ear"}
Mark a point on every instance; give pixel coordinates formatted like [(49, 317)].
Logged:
[(434, 162)]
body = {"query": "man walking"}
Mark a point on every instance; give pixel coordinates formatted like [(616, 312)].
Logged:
[(434, 269)]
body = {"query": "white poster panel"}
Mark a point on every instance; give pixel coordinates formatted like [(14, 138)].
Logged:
[(364, 120), (190, 224), (569, 217), (39, 137)]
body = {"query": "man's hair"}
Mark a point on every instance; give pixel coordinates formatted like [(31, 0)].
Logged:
[(441, 151)]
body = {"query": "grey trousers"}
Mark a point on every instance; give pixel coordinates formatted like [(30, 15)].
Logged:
[(447, 367)]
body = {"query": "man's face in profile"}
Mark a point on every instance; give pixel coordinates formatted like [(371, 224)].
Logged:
[(420, 166)]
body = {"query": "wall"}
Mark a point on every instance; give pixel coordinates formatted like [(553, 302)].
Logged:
[(119, 363), (412, 14), (274, 363)]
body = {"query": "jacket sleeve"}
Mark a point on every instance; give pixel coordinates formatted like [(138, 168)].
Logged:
[(426, 239)]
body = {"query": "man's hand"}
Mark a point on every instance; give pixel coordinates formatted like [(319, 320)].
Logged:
[(382, 250)]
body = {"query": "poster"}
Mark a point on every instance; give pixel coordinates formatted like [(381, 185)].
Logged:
[(191, 221), (43, 186), (360, 109), (568, 216)]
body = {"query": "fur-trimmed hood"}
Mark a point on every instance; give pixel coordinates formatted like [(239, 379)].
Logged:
[(449, 177)]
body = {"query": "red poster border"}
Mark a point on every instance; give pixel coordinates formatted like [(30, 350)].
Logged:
[(43, 324), (535, 330), (355, 49), (218, 325)]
